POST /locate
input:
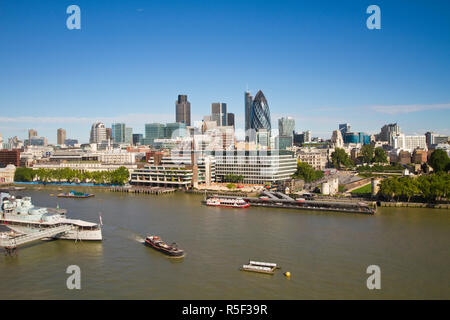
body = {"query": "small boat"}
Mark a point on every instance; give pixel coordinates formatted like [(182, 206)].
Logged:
[(75, 194), (227, 202), (156, 243)]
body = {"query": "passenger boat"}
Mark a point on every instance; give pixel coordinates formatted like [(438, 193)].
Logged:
[(75, 194), (227, 202), (156, 243)]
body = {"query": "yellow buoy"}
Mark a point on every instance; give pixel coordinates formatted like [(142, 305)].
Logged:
[(287, 274)]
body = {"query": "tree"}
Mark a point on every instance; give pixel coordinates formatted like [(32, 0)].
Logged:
[(340, 158), (307, 172), (380, 156), (119, 176), (439, 160), (231, 186), (367, 153), (24, 175)]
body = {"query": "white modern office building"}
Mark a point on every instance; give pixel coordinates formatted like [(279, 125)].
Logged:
[(409, 143), (257, 167)]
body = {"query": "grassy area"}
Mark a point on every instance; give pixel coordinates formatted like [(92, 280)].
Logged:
[(364, 189)]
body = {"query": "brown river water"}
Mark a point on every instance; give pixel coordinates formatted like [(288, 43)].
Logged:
[(327, 254)]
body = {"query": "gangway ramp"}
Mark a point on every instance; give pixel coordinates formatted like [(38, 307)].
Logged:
[(283, 196), (13, 242)]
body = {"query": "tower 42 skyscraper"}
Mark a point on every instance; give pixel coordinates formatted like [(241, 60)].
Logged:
[(183, 110)]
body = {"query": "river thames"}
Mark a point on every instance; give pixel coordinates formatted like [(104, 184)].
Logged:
[(327, 254)]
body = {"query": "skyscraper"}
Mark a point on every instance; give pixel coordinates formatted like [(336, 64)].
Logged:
[(138, 138), (286, 127), (129, 135), (183, 110), (31, 133), (248, 107), (388, 132), (219, 113), (61, 136), (344, 128), (230, 119), (154, 131), (98, 132), (118, 132), (108, 134), (260, 113)]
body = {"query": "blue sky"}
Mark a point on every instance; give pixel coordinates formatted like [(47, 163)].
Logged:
[(314, 60)]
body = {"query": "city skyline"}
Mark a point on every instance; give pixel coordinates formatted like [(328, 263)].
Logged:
[(320, 70)]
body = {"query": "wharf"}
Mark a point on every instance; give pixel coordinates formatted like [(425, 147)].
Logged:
[(276, 201), (144, 190)]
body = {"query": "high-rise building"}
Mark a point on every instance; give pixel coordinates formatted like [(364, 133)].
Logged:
[(61, 136), (174, 130), (388, 131), (434, 138), (154, 131), (98, 132), (129, 135), (307, 136), (344, 128), (230, 119), (248, 107), (38, 141), (336, 139), (108, 134), (183, 110), (219, 113), (138, 138), (70, 142), (409, 143), (286, 127), (118, 132), (299, 138), (260, 113), (32, 133)]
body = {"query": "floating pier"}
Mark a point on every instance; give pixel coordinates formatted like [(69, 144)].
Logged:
[(260, 267), (10, 241), (276, 201), (144, 190)]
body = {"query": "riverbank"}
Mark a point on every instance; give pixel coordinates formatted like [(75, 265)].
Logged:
[(414, 205), (63, 187)]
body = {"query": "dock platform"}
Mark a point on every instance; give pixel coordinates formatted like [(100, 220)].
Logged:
[(143, 190)]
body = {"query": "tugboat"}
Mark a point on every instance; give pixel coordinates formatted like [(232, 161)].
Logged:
[(156, 243)]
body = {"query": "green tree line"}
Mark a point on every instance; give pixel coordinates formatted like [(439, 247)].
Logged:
[(117, 177), (428, 188)]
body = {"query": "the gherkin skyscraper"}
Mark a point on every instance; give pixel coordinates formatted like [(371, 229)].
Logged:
[(260, 113)]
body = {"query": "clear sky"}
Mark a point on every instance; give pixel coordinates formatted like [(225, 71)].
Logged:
[(314, 60)]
